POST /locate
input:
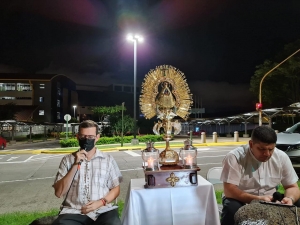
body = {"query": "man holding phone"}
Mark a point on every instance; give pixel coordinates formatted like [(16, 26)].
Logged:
[(89, 180)]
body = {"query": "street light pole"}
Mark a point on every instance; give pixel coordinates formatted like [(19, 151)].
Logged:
[(74, 106), (262, 79), (134, 39), (122, 140), (134, 86)]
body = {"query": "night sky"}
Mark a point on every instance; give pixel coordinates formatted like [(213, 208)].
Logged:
[(215, 43)]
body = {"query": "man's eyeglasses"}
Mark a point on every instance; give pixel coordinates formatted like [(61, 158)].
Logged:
[(82, 136)]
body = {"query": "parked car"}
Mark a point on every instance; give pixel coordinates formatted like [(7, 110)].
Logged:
[(2, 143), (289, 142)]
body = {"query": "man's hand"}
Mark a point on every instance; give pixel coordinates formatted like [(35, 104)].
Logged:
[(91, 206), (80, 156), (287, 201), (266, 198)]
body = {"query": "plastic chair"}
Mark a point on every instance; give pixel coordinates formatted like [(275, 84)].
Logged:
[(213, 175)]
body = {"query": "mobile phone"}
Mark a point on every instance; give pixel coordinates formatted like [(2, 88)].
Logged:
[(275, 203)]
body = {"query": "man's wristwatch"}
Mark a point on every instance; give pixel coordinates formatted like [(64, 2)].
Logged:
[(291, 199)]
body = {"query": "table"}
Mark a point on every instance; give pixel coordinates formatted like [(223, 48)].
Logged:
[(194, 205)]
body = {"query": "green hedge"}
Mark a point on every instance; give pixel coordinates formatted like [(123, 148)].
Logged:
[(72, 142)]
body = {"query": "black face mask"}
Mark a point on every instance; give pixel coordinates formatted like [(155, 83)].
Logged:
[(87, 144)]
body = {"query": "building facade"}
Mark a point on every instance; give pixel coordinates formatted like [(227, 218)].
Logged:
[(41, 97)]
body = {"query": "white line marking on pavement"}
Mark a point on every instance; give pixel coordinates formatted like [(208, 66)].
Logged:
[(210, 156), (28, 158), (31, 160), (203, 149), (46, 157), (132, 153), (12, 181), (204, 164), (12, 158), (131, 169)]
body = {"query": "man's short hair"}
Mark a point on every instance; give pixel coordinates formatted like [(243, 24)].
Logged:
[(87, 124), (264, 134)]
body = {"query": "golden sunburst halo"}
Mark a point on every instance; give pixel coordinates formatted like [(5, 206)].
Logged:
[(180, 89)]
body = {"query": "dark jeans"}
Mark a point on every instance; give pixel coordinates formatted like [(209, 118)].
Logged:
[(108, 218), (230, 207)]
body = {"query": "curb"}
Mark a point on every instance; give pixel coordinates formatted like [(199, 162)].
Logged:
[(116, 149)]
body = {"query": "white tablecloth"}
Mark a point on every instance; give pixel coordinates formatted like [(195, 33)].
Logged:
[(170, 206)]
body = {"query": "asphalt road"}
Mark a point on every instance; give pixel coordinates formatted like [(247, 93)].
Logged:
[(26, 179)]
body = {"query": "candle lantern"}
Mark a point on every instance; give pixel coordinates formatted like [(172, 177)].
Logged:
[(150, 157), (188, 155)]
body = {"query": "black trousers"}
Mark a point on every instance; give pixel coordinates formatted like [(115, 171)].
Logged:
[(108, 218), (231, 206)]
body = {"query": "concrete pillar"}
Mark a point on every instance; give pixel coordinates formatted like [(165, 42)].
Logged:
[(215, 137), (203, 137), (45, 133), (236, 136)]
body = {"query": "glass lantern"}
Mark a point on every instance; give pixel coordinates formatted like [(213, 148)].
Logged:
[(188, 155), (150, 157)]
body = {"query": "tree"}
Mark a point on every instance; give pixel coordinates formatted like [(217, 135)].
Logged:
[(281, 87), (112, 112), (102, 111), (9, 111), (128, 125)]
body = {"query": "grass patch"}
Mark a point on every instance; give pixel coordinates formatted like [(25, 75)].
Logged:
[(24, 218)]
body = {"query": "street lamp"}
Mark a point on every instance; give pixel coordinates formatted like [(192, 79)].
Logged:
[(123, 103), (134, 38), (74, 106), (260, 85)]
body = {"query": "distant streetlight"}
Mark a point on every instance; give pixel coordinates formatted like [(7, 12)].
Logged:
[(123, 103), (134, 39), (260, 85), (74, 106)]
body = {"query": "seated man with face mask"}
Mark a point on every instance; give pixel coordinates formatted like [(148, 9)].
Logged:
[(89, 180)]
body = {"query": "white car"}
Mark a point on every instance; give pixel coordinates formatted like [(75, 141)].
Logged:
[(289, 142)]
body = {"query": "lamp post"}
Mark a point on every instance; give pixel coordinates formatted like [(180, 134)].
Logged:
[(122, 140), (74, 106), (134, 39), (260, 85)]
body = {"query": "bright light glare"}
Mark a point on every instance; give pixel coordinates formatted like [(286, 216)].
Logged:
[(130, 37), (137, 37), (74, 106)]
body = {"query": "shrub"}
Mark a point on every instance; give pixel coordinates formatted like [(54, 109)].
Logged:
[(63, 134), (72, 142)]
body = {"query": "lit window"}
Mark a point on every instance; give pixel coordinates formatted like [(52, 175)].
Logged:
[(41, 112), (42, 86), (41, 99), (58, 91), (58, 103), (58, 115)]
